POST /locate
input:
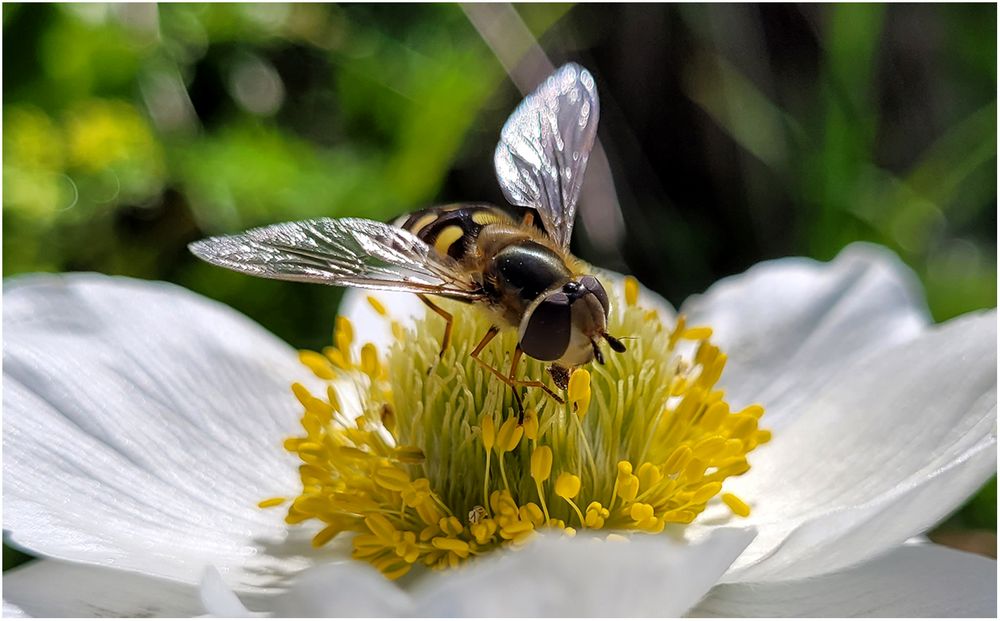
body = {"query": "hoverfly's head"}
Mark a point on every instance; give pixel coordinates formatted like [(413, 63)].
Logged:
[(566, 324)]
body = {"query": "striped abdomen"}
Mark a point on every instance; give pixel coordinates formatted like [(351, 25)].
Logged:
[(453, 229)]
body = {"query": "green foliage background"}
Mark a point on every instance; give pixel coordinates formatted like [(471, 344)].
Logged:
[(735, 134)]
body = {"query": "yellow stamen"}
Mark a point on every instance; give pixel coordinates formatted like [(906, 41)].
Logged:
[(644, 441), (737, 506), (579, 391), (631, 291), (376, 304)]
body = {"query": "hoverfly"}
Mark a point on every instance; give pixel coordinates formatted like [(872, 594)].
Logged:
[(523, 275)]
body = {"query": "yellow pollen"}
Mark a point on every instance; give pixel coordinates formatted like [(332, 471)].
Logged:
[(433, 468)]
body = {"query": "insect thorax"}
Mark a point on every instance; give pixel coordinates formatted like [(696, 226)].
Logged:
[(514, 262)]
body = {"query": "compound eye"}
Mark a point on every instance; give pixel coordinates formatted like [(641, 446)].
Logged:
[(594, 286), (546, 328)]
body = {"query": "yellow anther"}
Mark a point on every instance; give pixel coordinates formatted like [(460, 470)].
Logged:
[(409, 454), (631, 290), (429, 514), (502, 503), (483, 531), (317, 363), (567, 485), (369, 360), (648, 475), (530, 424), (337, 357), (291, 444), (541, 463), (694, 469), (459, 547), (579, 391), (700, 333), (376, 304), (487, 432), (679, 516), (596, 515), (271, 502), (753, 410), (513, 528), (324, 536), (391, 478), (677, 460), (627, 483), (640, 511), (676, 333), (509, 435), (736, 505), (417, 493), (744, 427), (705, 493), (450, 526), (616, 538), (709, 447), (532, 513), (397, 331), (302, 394), (714, 415), (381, 528), (763, 436), (343, 330)]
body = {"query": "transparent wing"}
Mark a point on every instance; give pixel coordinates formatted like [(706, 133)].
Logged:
[(544, 147), (350, 252)]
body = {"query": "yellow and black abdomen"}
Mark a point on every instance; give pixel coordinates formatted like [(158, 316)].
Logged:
[(453, 229)]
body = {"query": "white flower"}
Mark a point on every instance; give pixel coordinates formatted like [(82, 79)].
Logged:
[(142, 425)]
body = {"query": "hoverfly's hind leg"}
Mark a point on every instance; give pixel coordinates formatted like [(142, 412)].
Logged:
[(448, 318)]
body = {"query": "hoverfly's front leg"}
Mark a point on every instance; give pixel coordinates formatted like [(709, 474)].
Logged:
[(512, 379), (489, 336), (448, 318)]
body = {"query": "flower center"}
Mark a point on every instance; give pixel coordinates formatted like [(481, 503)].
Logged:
[(435, 468)]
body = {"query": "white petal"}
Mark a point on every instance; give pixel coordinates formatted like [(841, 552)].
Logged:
[(371, 327), (787, 325), (584, 577), (344, 589), (910, 581), (218, 599), (11, 611), (142, 424), (58, 589), (893, 445)]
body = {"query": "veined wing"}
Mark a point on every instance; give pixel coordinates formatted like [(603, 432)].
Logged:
[(544, 147), (350, 252)]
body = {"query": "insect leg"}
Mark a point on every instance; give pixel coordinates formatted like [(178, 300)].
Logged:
[(528, 383), (489, 336), (448, 318)]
